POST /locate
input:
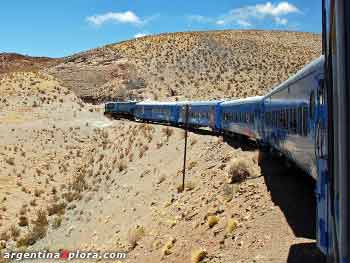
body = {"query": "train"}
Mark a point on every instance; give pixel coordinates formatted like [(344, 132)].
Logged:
[(306, 118), (286, 118)]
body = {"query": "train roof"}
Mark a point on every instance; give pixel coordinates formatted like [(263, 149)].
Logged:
[(310, 68), (122, 102), (241, 101), (162, 103), (204, 103), (287, 102)]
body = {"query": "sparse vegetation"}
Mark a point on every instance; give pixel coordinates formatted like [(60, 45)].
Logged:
[(135, 234), (198, 255), (238, 170), (213, 220)]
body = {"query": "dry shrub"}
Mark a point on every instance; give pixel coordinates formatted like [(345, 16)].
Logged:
[(191, 165), (57, 221), (239, 170), (41, 218), (161, 179), (212, 221), (56, 209), (166, 250), (167, 132), (159, 145), (198, 255), (23, 221), (180, 188), (79, 184), (10, 161), (135, 234), (5, 236), (15, 232), (33, 202), (121, 165), (190, 185), (36, 233), (38, 192), (231, 226), (71, 196)]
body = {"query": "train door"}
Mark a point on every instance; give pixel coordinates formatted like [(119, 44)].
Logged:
[(321, 154)]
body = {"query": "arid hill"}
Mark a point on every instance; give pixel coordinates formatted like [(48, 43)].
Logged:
[(12, 62), (193, 65), (70, 178)]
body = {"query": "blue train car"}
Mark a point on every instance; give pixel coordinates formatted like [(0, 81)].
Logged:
[(120, 108), (202, 114), (292, 113), (167, 112), (243, 116)]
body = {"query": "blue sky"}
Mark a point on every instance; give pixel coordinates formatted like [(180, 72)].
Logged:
[(60, 28)]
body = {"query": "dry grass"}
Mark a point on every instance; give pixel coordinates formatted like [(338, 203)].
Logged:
[(135, 234), (23, 221), (212, 221), (168, 132), (239, 170), (56, 209), (231, 225), (122, 165), (15, 232), (198, 255), (57, 221), (166, 250)]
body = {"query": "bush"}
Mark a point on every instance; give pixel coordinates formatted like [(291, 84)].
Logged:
[(57, 221), (238, 170), (135, 235), (167, 132)]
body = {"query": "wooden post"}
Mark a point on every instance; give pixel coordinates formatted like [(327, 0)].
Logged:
[(185, 150)]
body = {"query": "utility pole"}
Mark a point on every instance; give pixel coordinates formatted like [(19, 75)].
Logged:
[(185, 150)]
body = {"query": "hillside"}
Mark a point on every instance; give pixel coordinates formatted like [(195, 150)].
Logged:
[(195, 65), (12, 62), (70, 178)]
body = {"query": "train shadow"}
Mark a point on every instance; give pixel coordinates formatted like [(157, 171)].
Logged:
[(305, 252), (292, 190)]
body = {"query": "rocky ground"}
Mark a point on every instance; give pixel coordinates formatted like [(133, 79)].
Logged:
[(71, 178)]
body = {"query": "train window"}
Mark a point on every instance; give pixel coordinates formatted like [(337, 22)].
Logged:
[(300, 120), (312, 105), (293, 120), (286, 119), (305, 121)]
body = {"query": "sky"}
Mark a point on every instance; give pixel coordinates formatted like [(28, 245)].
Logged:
[(63, 27)]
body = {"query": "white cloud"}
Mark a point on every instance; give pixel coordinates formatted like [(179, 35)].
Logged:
[(127, 17), (282, 8), (246, 16), (140, 35)]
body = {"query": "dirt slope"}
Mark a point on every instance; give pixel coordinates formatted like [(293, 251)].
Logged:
[(195, 65), (12, 62)]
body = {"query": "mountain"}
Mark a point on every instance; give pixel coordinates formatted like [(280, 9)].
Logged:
[(191, 65), (12, 62)]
